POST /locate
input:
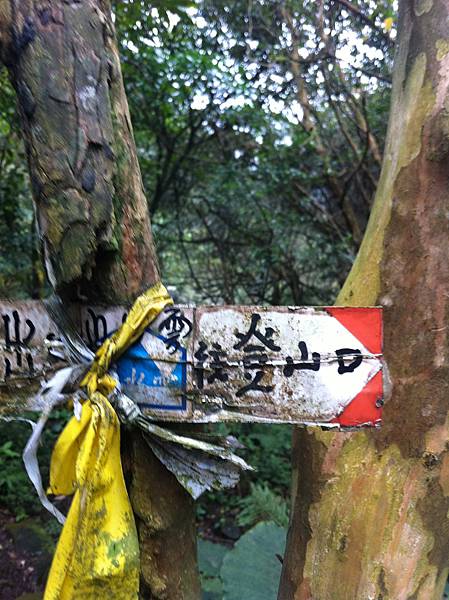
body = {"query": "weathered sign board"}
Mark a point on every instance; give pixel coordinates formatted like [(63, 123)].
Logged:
[(209, 364)]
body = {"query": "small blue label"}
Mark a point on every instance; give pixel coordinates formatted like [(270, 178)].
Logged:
[(154, 383)]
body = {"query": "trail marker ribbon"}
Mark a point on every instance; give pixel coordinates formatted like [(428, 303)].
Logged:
[(98, 553), (309, 365)]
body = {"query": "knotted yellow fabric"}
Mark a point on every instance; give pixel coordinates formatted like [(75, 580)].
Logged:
[(97, 555)]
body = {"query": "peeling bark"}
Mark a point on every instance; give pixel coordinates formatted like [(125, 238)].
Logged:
[(93, 216), (370, 509), (94, 221)]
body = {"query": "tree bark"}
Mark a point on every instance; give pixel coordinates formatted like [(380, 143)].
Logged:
[(370, 509), (94, 221)]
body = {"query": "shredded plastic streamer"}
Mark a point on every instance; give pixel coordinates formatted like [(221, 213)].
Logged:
[(98, 554)]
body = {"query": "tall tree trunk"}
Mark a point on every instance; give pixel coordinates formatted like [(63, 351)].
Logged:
[(370, 509), (93, 219)]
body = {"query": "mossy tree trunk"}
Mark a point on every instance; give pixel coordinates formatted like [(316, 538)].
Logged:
[(94, 221), (370, 515)]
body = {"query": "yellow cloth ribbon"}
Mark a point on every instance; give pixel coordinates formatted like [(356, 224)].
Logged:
[(97, 555)]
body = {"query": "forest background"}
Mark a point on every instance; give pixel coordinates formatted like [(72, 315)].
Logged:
[(260, 127)]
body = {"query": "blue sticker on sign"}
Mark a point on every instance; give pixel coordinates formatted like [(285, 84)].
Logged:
[(152, 375)]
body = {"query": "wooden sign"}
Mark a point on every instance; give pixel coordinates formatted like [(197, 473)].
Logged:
[(209, 364)]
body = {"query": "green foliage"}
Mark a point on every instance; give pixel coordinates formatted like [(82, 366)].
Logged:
[(12, 479), (257, 126), (267, 448), (250, 204), (252, 569), (16, 491), (210, 559), (262, 504), (17, 237)]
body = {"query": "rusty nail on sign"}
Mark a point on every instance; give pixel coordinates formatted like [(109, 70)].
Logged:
[(319, 366)]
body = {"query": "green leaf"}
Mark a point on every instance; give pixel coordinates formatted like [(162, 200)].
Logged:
[(262, 504), (4, 127), (212, 588), (210, 557), (172, 5), (252, 569), (6, 449)]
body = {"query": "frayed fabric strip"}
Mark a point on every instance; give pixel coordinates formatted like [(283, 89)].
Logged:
[(98, 552)]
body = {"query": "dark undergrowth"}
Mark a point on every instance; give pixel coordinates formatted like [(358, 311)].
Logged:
[(29, 534)]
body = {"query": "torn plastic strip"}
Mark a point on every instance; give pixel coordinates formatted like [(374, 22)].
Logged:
[(132, 414), (198, 465), (30, 460), (53, 392), (77, 350), (32, 466), (195, 470), (20, 419), (51, 395), (220, 466), (86, 462)]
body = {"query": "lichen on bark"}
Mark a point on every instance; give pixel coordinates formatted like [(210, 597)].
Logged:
[(373, 521), (92, 211), (94, 223)]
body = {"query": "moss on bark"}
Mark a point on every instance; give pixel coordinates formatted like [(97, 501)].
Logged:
[(374, 523), (94, 221), (93, 214)]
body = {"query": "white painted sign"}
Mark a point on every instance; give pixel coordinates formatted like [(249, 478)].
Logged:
[(210, 364)]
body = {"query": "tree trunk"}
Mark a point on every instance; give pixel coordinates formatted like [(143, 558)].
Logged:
[(94, 221), (370, 509)]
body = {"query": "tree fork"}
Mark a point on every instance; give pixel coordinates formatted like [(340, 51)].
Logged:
[(370, 509), (94, 223)]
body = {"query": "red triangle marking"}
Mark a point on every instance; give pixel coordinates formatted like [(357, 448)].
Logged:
[(364, 323), (362, 409)]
